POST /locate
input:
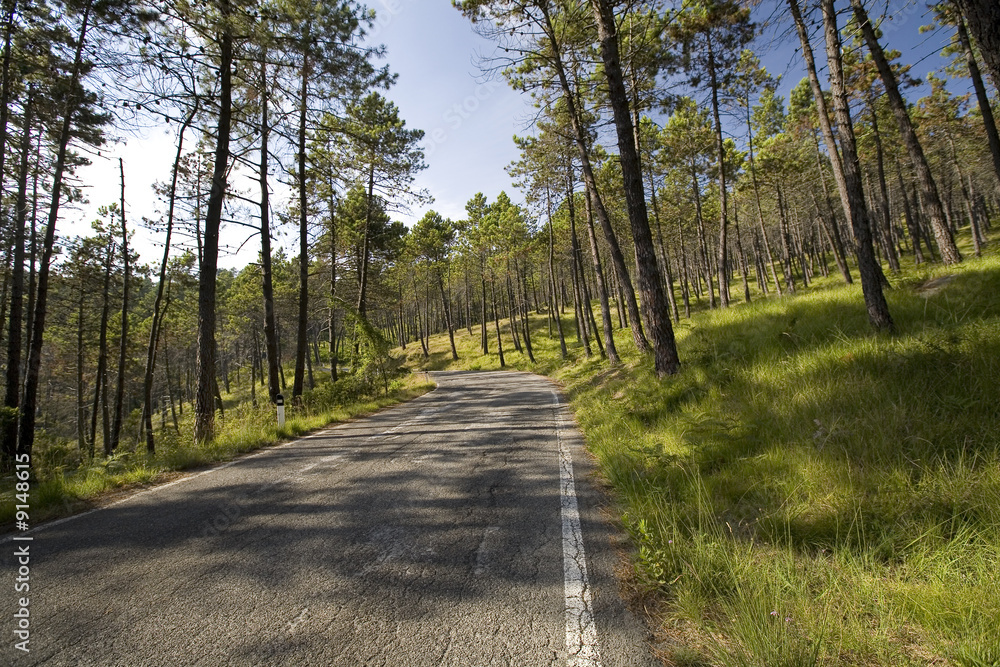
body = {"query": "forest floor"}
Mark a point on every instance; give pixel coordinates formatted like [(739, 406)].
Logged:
[(805, 491)]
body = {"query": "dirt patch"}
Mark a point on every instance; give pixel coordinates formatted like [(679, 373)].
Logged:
[(934, 285)]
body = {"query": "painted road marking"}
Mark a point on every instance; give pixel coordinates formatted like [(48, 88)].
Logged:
[(581, 630)]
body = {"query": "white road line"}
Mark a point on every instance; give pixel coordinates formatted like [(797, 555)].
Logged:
[(581, 630)]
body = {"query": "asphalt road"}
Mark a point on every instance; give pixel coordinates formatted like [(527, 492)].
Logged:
[(444, 531)]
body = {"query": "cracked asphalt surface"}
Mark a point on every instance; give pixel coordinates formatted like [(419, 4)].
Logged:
[(427, 534)]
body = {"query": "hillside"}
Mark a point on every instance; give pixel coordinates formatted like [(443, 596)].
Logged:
[(804, 492)]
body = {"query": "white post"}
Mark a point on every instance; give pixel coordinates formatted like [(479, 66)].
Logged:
[(280, 401)]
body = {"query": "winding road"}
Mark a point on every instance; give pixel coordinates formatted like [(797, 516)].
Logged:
[(460, 528)]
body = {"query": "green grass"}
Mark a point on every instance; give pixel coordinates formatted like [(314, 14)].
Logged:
[(805, 491), (66, 485)]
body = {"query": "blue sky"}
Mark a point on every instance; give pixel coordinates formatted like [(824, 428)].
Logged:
[(469, 120)]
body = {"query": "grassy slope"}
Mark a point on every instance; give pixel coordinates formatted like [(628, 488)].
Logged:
[(806, 492)]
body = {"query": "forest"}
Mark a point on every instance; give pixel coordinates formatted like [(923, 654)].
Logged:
[(664, 186)]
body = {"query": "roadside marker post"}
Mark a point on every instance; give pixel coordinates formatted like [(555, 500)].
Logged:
[(280, 402)]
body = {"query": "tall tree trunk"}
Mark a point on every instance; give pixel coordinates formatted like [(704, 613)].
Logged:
[(985, 108), (685, 277), (580, 136), (511, 310), (100, 381), (267, 279), (586, 311), (301, 338), (10, 13), (15, 317), (983, 17), (702, 239), (366, 245), (871, 273), (154, 328), (740, 254), (946, 244), (29, 397), (485, 341), (833, 229), (447, 316), (116, 428), (204, 426), (967, 196), (886, 217), (720, 147), (786, 249), (582, 333), (822, 113), (332, 323), (81, 386), (496, 320), (654, 301), (553, 298), (760, 209), (523, 298), (668, 282), (911, 224), (602, 290)]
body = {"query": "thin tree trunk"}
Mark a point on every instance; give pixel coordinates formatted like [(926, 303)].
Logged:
[(26, 425), (302, 338), (496, 320), (100, 383), (553, 305), (366, 246), (204, 429), (760, 209), (655, 306), (15, 317), (116, 427), (871, 273), (332, 321), (739, 251), (447, 317), (985, 108), (833, 228), (267, 279), (983, 17), (525, 325), (485, 342), (668, 282), (946, 244), (886, 217), (154, 329), (5, 93), (81, 388), (583, 302), (580, 136), (511, 319), (702, 240), (720, 147), (785, 243)]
